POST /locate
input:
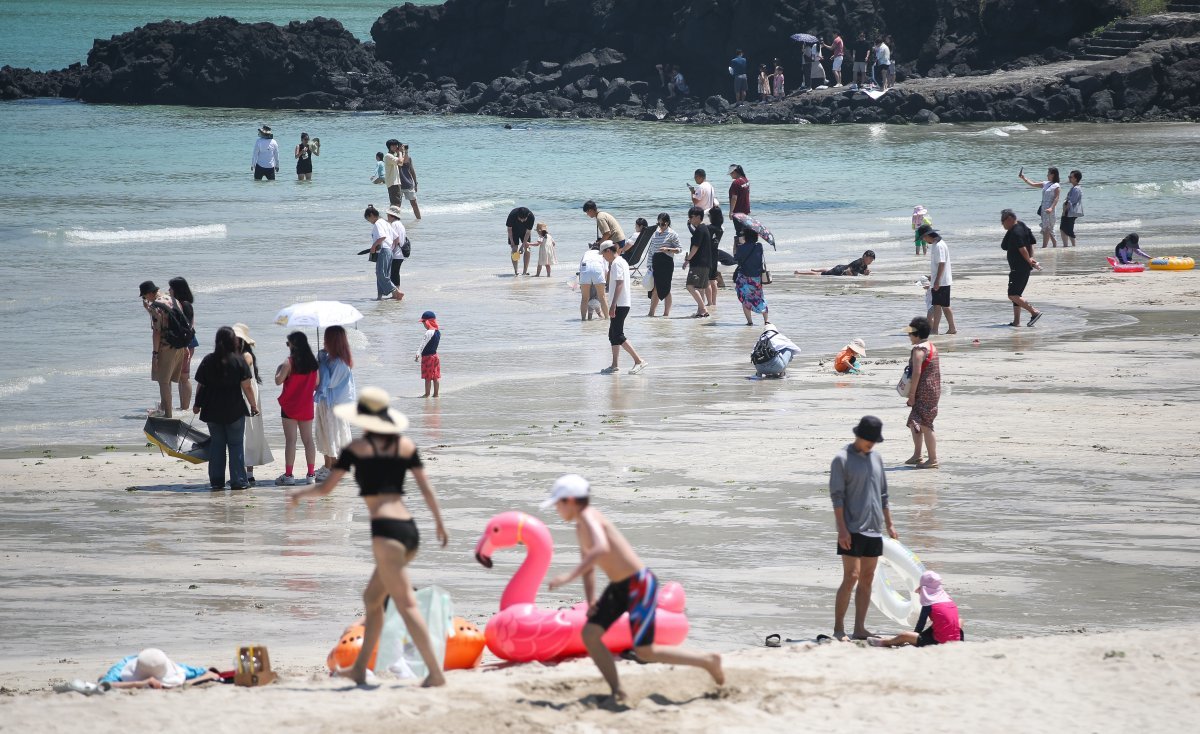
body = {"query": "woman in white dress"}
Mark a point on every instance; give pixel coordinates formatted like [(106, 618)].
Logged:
[(258, 452)]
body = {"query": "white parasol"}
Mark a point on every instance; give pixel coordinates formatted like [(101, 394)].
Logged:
[(318, 314)]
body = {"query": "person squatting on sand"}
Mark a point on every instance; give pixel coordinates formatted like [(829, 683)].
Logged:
[(431, 364), (632, 588), (335, 386), (924, 392), (223, 378), (938, 610), (1018, 245), (298, 375), (785, 351), (847, 359), (592, 270), (379, 461), (859, 493), (618, 296), (1127, 249)]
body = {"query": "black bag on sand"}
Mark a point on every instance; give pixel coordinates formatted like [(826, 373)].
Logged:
[(763, 351)]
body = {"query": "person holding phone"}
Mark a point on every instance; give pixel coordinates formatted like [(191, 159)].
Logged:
[(703, 194)]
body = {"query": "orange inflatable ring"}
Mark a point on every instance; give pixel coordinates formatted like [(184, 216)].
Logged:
[(345, 652), (465, 649)]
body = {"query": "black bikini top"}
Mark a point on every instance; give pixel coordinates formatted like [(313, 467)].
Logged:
[(380, 473)]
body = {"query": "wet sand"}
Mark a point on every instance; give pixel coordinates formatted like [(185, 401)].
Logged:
[(1066, 503)]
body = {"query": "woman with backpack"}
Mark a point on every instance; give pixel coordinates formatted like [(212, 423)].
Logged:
[(171, 333), (298, 375), (224, 379)]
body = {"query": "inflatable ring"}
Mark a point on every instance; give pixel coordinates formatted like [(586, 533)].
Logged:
[(898, 573), (1172, 263), (1125, 267)]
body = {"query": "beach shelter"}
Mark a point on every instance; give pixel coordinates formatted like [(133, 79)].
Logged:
[(178, 439)]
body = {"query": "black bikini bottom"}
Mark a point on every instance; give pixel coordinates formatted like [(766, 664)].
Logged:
[(404, 531)]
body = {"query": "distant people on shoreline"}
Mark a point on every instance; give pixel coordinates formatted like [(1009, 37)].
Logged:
[(924, 393), (592, 277), (182, 293), (518, 226), (861, 266), (920, 218), (392, 161), (737, 67), (335, 386), (399, 237), (1018, 246), (431, 363), (378, 176), (940, 279), (1072, 209), (408, 183), (703, 194), (257, 450), (747, 279), (861, 51), (697, 260), (1051, 190), (264, 160)]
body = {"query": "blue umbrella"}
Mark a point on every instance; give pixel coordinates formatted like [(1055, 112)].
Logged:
[(805, 38)]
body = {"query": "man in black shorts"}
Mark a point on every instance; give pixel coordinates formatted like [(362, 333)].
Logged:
[(697, 260), (858, 489), (1018, 245)]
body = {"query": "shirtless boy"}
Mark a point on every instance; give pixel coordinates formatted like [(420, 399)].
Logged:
[(631, 588)]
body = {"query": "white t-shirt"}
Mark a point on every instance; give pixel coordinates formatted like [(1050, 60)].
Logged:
[(1049, 189), (706, 197), (618, 272), (382, 230), (883, 55), (593, 262), (400, 233), (939, 253), (266, 153)]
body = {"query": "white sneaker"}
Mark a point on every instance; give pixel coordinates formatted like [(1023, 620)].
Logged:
[(637, 368), (286, 480), (321, 474), (308, 479)]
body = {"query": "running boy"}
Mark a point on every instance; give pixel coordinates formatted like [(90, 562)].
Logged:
[(632, 587), (431, 364)]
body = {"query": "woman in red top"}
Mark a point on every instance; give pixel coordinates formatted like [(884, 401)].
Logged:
[(298, 375)]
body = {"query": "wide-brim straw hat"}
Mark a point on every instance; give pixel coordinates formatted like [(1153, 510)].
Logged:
[(372, 412), (241, 331), (858, 346), (394, 211)]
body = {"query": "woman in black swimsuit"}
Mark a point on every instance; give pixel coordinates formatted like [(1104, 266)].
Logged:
[(379, 460), (304, 154)]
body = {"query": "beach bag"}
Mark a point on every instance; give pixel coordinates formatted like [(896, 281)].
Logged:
[(179, 333), (648, 280), (763, 351), (906, 378), (766, 275), (406, 248)]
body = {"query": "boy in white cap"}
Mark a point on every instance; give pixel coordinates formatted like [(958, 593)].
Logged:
[(937, 608), (632, 587)]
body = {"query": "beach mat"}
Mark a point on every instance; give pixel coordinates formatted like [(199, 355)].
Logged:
[(178, 439)]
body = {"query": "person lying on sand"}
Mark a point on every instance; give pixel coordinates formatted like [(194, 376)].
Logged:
[(936, 606), (861, 266), (151, 668), (632, 588)]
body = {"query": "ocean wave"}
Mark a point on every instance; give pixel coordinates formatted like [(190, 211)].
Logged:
[(1119, 224), (19, 385), (105, 237), (466, 207), (253, 284), (833, 237), (1004, 131), (113, 371)]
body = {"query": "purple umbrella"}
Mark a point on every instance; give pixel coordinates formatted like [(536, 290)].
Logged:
[(750, 222), (805, 38)]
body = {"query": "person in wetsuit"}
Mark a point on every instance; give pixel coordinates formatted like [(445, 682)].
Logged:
[(379, 460)]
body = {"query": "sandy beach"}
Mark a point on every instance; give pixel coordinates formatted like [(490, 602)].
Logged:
[(1063, 520)]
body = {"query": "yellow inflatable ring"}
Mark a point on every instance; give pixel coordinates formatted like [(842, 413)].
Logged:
[(1172, 263)]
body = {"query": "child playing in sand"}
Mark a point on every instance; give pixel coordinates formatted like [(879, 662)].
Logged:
[(378, 177), (151, 668), (937, 608), (920, 217), (431, 365), (847, 359), (632, 587)]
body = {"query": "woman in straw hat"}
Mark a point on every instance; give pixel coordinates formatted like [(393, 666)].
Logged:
[(379, 460), (258, 451)]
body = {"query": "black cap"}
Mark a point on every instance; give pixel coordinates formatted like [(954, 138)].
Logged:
[(926, 229), (147, 287), (870, 429)]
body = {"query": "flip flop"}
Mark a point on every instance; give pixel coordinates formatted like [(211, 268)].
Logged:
[(774, 640), (912, 462)]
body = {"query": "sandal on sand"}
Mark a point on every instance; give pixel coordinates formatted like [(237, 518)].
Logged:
[(774, 640), (912, 460), (928, 465), (1034, 319)]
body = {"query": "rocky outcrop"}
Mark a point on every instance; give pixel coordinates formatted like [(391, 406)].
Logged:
[(23, 83), (222, 62)]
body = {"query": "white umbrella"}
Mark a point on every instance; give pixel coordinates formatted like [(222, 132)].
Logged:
[(318, 314)]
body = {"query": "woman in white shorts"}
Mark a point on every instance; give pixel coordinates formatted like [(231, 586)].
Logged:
[(591, 273)]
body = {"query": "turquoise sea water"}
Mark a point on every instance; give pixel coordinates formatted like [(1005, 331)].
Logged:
[(57, 33)]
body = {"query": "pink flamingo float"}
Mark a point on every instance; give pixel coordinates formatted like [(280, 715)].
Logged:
[(522, 632)]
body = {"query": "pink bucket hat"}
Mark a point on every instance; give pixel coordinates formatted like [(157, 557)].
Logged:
[(931, 591)]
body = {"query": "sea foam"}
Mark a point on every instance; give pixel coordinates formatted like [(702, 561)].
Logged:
[(104, 237)]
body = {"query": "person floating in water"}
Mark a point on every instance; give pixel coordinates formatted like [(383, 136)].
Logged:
[(861, 266), (632, 587)]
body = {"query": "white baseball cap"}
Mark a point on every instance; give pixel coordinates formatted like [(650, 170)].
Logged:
[(567, 486)]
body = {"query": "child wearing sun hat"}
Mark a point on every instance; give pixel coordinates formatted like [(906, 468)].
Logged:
[(847, 359), (938, 610)]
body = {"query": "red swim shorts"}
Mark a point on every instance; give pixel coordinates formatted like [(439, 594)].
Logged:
[(431, 367)]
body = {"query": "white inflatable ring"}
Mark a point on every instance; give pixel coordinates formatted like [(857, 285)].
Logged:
[(898, 573)]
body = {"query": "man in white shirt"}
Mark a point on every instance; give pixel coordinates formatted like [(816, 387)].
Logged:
[(401, 234), (619, 301), (883, 64), (940, 279), (264, 161), (392, 161), (703, 194)]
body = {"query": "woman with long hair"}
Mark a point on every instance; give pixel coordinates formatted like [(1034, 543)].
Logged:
[(298, 375), (335, 386), (747, 279), (1051, 190), (182, 292), (224, 378), (379, 460), (662, 249), (258, 451)]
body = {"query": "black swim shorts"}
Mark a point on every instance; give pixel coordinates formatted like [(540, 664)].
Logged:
[(862, 546), (637, 595), (836, 270), (926, 638), (616, 325), (697, 277), (1017, 280), (941, 297)]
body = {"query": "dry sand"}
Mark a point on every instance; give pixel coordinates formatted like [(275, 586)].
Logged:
[(1066, 503)]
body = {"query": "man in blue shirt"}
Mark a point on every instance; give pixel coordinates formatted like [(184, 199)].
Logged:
[(737, 67)]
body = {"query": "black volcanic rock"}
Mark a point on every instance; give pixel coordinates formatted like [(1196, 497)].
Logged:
[(222, 62)]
